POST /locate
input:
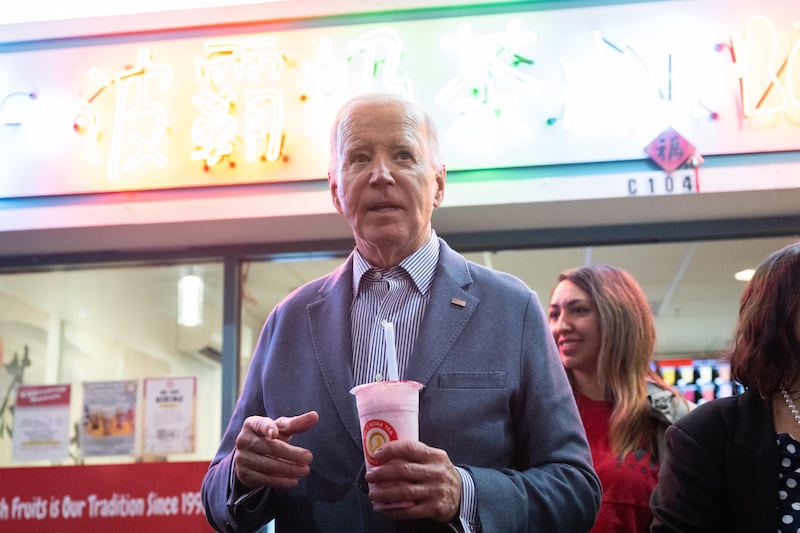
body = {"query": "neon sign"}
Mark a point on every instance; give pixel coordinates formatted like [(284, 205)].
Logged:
[(135, 104), (380, 50), (14, 106), (227, 64), (760, 77), (533, 88), (486, 90)]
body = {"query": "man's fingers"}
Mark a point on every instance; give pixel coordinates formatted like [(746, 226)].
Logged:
[(265, 456), (288, 426), (283, 427), (254, 470), (262, 426)]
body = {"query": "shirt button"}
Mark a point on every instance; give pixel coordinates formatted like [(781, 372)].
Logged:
[(378, 377), (378, 275)]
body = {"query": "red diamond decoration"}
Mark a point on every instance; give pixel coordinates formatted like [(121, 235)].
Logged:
[(669, 150)]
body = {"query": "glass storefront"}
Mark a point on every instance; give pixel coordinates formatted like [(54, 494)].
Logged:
[(80, 325), (690, 285), (267, 282), (111, 324)]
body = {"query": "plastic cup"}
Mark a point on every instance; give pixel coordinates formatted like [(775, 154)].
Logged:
[(706, 373), (668, 373), (687, 373), (724, 371), (688, 391), (708, 391), (725, 389), (387, 411)]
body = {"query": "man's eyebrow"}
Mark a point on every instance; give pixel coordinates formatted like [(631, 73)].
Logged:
[(357, 146)]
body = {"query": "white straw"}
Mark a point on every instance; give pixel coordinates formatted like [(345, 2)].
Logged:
[(391, 352)]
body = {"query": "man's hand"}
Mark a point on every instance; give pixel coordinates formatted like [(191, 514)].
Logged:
[(412, 471), (264, 456)]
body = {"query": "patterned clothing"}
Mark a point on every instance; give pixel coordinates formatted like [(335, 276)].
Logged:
[(788, 484), (627, 484), (398, 295)]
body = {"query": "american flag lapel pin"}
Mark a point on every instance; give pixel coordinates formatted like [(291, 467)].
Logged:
[(458, 302)]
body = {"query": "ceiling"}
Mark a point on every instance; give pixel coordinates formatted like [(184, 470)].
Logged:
[(690, 286)]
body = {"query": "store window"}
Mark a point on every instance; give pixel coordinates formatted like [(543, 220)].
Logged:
[(693, 292), (267, 282), (111, 333), (691, 287)]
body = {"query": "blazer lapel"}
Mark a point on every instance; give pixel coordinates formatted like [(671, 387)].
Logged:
[(451, 306), (752, 466), (329, 319)]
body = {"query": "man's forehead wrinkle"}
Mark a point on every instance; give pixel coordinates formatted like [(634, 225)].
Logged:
[(411, 135), (407, 136)]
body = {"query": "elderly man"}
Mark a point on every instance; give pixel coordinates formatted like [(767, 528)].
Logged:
[(501, 446)]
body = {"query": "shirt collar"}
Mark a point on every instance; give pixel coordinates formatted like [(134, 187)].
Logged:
[(420, 266)]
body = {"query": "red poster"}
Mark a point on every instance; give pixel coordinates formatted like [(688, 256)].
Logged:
[(119, 498)]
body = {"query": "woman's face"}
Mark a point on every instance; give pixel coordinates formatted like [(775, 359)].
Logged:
[(575, 326)]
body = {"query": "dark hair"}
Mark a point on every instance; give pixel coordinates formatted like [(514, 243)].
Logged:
[(766, 351)]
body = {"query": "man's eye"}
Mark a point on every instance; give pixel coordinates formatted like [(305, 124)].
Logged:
[(404, 155), (360, 158)]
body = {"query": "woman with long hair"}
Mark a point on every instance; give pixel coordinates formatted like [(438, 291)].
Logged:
[(605, 332)]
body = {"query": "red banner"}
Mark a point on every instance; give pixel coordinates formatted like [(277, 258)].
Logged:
[(119, 498), (42, 395)]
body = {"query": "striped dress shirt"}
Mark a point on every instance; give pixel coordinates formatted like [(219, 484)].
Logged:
[(398, 295)]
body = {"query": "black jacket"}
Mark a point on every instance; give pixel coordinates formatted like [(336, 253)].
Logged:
[(720, 470)]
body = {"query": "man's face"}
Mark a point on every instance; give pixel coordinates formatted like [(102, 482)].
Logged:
[(385, 183)]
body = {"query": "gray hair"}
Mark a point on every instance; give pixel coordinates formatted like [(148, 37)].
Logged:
[(413, 110)]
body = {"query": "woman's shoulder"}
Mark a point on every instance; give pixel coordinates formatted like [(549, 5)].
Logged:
[(729, 413), (666, 404)]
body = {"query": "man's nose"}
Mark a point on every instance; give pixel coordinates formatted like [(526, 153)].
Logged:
[(381, 173)]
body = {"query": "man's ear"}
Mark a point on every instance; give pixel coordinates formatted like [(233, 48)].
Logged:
[(334, 188), (441, 177)]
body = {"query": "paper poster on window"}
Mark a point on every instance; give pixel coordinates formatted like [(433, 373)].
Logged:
[(109, 415), (169, 411), (41, 423)]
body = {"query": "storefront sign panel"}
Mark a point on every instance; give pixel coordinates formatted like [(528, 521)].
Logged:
[(517, 89), (120, 498)]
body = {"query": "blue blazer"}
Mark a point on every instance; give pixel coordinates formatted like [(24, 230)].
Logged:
[(496, 398)]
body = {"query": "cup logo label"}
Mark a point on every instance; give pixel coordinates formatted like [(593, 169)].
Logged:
[(376, 433)]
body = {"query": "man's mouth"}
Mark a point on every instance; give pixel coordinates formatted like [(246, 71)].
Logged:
[(384, 207)]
